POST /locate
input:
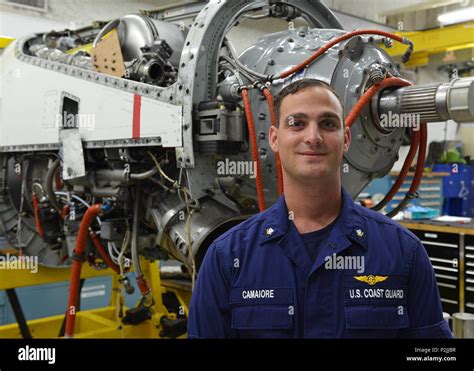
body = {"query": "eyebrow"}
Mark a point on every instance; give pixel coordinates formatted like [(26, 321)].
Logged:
[(301, 115)]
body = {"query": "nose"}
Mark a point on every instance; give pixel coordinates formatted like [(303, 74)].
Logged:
[(313, 135)]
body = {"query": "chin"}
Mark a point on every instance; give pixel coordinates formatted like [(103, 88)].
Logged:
[(312, 175)]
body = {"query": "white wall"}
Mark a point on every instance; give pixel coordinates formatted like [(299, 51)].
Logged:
[(370, 9), (466, 135), (78, 13), (16, 25)]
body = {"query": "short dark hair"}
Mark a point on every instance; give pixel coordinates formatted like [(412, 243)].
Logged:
[(298, 86)]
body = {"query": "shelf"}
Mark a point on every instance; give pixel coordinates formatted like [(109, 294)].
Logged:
[(429, 175)]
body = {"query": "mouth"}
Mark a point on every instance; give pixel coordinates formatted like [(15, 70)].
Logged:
[(312, 154)]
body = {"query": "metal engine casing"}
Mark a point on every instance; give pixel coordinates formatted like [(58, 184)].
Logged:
[(372, 152)]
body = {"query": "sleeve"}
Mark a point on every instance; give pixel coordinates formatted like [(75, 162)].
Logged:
[(424, 305), (209, 311)]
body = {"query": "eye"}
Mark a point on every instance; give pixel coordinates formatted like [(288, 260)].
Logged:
[(295, 123), (330, 124)]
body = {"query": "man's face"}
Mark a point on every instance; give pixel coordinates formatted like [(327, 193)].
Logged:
[(310, 138)]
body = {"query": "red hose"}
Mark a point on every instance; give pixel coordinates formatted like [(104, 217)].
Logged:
[(419, 139), (367, 96), (254, 149), (78, 258), (420, 162), (65, 212), (415, 142), (39, 227), (269, 97), (58, 182), (103, 254), (142, 285), (335, 41)]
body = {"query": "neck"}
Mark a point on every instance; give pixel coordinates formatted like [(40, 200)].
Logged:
[(313, 206)]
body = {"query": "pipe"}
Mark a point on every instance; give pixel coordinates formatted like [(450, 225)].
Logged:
[(346, 36), (96, 241), (122, 176), (78, 258), (236, 68), (436, 102), (239, 64), (145, 175), (141, 281), (254, 149), (63, 323), (269, 97), (49, 186), (39, 227), (19, 315)]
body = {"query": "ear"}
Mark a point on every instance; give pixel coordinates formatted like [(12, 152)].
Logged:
[(273, 138), (347, 139)]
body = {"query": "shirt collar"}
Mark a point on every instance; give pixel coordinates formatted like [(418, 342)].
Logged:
[(350, 225)]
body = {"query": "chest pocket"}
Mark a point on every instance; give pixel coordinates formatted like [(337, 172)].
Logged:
[(262, 313), (375, 306)]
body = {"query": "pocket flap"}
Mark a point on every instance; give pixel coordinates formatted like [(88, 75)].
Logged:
[(262, 317), (376, 317)]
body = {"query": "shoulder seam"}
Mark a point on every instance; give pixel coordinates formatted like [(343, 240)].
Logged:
[(393, 224), (222, 238)]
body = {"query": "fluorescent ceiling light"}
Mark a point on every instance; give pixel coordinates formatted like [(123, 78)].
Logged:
[(457, 16)]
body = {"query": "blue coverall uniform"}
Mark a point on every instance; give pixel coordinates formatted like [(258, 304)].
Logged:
[(258, 280)]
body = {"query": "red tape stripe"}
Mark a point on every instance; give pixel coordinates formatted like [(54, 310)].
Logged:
[(137, 104)]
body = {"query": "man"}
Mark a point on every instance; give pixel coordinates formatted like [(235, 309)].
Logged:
[(315, 264)]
